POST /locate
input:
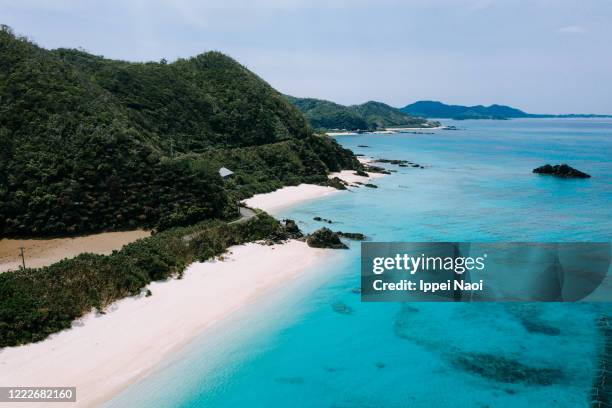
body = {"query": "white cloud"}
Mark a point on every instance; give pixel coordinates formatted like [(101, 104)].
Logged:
[(572, 29)]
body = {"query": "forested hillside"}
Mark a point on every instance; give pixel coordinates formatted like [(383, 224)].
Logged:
[(434, 109), (380, 115), (326, 115), (91, 144)]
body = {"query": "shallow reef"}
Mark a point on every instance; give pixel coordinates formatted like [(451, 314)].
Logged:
[(342, 308), (505, 369)]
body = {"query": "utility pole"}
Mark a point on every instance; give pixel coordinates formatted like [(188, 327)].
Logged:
[(22, 257)]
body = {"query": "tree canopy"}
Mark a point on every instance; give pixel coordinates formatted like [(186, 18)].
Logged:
[(326, 115), (92, 144)]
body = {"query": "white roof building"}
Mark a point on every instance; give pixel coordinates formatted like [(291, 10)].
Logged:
[(225, 172)]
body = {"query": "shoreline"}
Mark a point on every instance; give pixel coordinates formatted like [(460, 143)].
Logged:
[(100, 363), (401, 129), (278, 200), (103, 354), (390, 130)]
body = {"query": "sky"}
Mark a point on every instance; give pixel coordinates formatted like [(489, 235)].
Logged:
[(543, 56)]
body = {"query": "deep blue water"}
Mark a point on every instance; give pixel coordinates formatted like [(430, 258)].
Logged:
[(317, 345)]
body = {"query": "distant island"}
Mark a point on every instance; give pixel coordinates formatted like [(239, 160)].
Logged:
[(435, 109), (325, 115)]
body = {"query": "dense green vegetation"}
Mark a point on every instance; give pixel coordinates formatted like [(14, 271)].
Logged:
[(91, 144), (265, 168), (35, 303), (380, 115), (434, 109), (323, 115), (326, 115)]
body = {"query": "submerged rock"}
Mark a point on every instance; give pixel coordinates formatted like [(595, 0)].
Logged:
[(361, 173), (363, 146), (391, 161), (376, 169), (342, 308), (356, 236), (531, 319), (323, 220), (562, 170), (290, 380), (505, 370), (540, 327), (325, 238), (371, 185)]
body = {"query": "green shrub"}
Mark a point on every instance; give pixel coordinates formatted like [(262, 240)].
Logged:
[(35, 303)]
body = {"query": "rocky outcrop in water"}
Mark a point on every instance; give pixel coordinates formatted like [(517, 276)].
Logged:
[(355, 236), (399, 163), (392, 161), (562, 170), (286, 230), (337, 183), (325, 238), (292, 229), (376, 169)]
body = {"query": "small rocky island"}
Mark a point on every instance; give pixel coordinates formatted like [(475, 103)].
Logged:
[(562, 170), (325, 238)]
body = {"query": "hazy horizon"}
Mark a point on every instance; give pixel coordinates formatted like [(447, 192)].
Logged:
[(539, 56)]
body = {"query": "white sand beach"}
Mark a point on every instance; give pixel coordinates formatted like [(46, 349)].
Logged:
[(411, 129), (43, 252), (346, 133), (285, 197), (101, 355), (390, 130)]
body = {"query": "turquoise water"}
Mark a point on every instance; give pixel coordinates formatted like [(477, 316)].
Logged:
[(317, 345)]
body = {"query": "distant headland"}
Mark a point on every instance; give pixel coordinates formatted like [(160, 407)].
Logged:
[(325, 115), (435, 109)]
